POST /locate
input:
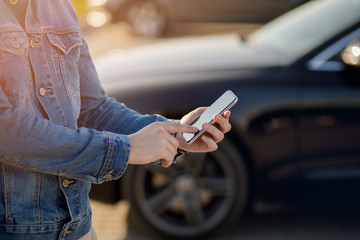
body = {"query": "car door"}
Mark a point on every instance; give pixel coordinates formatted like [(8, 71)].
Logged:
[(329, 121)]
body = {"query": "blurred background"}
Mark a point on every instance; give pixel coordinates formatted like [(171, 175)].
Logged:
[(289, 169)]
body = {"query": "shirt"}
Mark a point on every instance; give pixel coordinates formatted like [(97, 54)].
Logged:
[(59, 132)]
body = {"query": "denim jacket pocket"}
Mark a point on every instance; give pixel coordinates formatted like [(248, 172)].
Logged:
[(65, 42), (13, 42), (66, 55), (14, 73)]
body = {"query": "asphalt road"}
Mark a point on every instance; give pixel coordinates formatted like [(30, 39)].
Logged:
[(315, 223), (304, 223)]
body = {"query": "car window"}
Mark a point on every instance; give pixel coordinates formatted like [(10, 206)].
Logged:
[(330, 58), (299, 31)]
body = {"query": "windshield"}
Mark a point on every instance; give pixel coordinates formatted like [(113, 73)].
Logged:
[(301, 30)]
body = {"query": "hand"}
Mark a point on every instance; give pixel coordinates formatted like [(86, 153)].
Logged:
[(213, 133), (155, 142)]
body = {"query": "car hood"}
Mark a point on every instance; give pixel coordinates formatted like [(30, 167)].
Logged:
[(155, 64)]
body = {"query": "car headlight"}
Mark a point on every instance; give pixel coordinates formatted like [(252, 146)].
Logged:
[(351, 54)]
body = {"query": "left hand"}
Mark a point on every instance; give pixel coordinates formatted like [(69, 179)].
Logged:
[(214, 133)]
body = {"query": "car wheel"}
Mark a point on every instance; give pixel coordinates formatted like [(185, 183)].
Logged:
[(199, 194), (146, 18)]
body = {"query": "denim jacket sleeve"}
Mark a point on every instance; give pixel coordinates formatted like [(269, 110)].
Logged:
[(101, 112), (91, 153), (40, 145)]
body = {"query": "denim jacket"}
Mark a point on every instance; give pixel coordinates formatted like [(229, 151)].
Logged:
[(59, 132)]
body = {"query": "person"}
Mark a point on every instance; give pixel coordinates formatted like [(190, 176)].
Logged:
[(60, 132)]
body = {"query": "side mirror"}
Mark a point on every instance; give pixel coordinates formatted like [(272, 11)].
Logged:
[(351, 54)]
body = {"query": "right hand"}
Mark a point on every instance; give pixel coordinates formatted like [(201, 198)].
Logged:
[(155, 142)]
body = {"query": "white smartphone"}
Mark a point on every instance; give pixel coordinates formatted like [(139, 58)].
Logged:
[(223, 103)]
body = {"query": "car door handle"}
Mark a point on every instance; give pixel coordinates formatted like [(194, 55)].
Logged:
[(324, 121), (276, 124)]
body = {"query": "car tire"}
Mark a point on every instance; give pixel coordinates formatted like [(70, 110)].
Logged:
[(198, 195), (146, 18)]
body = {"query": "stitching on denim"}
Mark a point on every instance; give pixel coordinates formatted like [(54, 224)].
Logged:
[(29, 83), (108, 157), (50, 29), (64, 78), (124, 167), (7, 200), (37, 190)]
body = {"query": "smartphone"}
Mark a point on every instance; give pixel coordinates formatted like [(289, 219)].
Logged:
[(223, 103)]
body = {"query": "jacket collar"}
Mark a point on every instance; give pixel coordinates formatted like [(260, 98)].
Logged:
[(40, 17)]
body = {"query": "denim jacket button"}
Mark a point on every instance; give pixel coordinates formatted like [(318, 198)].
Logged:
[(109, 174), (44, 91), (33, 43), (13, 2), (66, 183), (66, 232), (14, 43)]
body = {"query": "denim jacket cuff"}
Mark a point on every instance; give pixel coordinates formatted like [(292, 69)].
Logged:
[(116, 159)]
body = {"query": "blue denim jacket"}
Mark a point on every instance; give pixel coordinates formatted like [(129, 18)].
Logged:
[(58, 131)]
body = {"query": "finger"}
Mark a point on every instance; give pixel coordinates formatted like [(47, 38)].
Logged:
[(177, 127), (199, 111), (222, 123), (168, 159), (211, 145), (174, 143), (193, 115), (169, 150), (166, 163), (216, 134), (170, 147), (227, 114)]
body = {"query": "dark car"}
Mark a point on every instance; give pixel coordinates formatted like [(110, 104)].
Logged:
[(152, 17), (296, 126)]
